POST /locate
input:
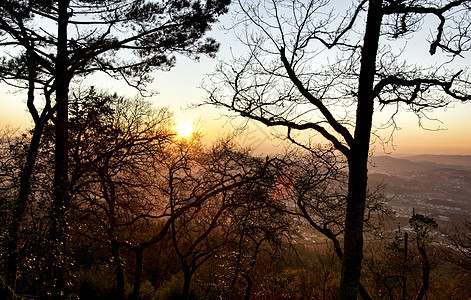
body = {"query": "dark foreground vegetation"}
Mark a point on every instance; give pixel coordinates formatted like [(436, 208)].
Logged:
[(102, 200)]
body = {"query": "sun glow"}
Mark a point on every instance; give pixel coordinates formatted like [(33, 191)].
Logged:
[(184, 129)]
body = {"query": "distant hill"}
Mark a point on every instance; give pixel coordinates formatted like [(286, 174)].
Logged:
[(418, 163), (437, 185), (391, 165), (454, 160)]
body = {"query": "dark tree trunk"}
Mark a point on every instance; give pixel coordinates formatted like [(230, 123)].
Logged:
[(358, 158), (238, 260), (137, 274), (363, 293), (186, 283), (20, 206), (425, 273), (119, 270), (26, 172), (353, 244), (248, 288), (337, 248), (57, 233), (404, 279)]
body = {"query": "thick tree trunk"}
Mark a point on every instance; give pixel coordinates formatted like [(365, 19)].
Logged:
[(137, 274), (358, 158), (57, 233), (119, 270), (425, 273), (353, 243), (337, 248), (186, 284), (20, 206)]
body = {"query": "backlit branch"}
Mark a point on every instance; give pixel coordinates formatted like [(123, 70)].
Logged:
[(419, 87), (315, 101), (398, 7)]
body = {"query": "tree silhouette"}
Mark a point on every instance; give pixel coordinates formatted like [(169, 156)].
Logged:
[(312, 185), (113, 144), (422, 227), (310, 67), (126, 40), (260, 230), (188, 177)]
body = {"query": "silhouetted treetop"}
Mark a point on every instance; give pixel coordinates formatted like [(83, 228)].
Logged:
[(126, 39)]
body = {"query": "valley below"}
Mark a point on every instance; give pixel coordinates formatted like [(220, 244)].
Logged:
[(438, 186)]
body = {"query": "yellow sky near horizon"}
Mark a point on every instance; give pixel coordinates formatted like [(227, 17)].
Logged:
[(454, 138)]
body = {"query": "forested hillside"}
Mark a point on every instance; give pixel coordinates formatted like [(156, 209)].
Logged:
[(427, 184)]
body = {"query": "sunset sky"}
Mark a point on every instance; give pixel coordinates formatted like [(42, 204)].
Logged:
[(179, 88)]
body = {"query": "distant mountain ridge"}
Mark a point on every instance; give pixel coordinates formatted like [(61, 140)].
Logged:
[(455, 160), (419, 163), (387, 164)]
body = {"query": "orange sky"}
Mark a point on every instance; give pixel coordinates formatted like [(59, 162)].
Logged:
[(454, 139), (179, 88)]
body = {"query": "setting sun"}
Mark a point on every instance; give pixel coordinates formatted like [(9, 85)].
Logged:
[(184, 129)]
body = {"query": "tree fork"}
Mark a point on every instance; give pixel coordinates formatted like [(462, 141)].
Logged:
[(358, 157), (57, 236)]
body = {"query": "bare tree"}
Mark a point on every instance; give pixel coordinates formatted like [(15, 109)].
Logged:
[(198, 235), (260, 231), (311, 184), (422, 229), (130, 171), (401, 262), (311, 67), (126, 40), (236, 225), (187, 176), (114, 143)]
